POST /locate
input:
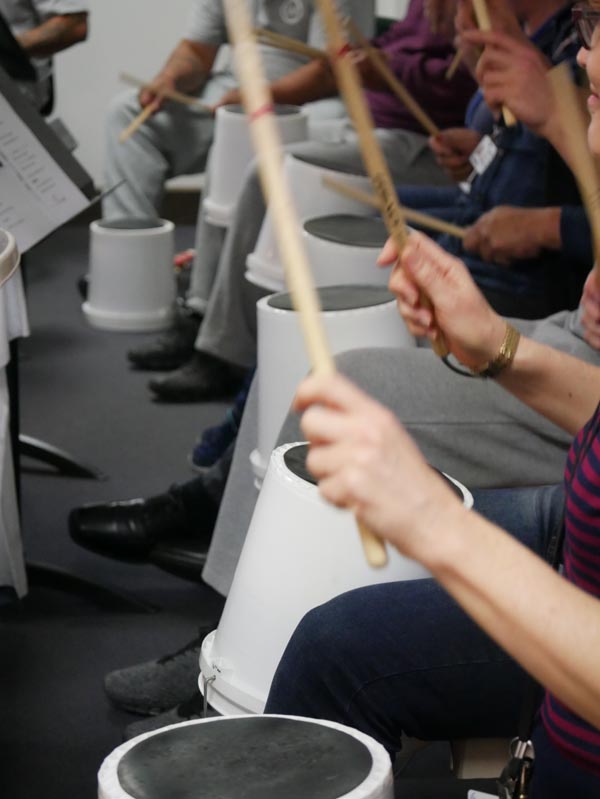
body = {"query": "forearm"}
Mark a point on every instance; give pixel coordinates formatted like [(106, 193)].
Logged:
[(562, 388), (314, 81), (189, 65), (547, 624), (56, 34)]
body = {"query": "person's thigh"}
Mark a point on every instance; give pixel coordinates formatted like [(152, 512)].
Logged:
[(398, 659), (403, 658)]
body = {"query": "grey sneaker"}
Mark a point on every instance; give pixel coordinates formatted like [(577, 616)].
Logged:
[(152, 687), (192, 708)]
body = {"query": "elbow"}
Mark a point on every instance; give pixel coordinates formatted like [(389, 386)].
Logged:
[(78, 29)]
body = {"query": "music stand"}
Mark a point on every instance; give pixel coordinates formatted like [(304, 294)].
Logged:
[(41, 189)]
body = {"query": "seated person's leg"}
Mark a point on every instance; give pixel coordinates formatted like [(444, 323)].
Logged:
[(403, 658), (174, 141)]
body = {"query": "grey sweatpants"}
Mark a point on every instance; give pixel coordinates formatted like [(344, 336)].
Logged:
[(218, 286), (175, 141), (470, 428)]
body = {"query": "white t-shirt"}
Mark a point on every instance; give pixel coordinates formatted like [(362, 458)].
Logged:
[(23, 15), (298, 19)]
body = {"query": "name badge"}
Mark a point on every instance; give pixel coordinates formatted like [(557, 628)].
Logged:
[(483, 155)]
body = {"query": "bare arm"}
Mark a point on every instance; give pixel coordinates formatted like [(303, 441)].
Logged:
[(56, 34), (364, 460), (186, 70), (313, 81), (559, 386)]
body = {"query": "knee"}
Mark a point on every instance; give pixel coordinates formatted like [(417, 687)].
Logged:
[(312, 658)]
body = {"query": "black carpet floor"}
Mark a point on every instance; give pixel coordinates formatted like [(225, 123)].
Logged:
[(78, 393)]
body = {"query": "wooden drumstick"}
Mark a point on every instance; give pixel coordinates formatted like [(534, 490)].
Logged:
[(581, 160), (377, 169), (171, 94), (267, 142), (287, 43), (419, 218), (392, 81), (137, 123), (451, 71), (485, 24)]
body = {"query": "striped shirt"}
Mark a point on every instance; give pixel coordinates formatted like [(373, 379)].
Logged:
[(575, 738)]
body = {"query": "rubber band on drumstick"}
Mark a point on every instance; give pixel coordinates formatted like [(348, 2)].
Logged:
[(581, 160), (267, 142), (419, 218), (349, 85), (388, 76), (485, 24)]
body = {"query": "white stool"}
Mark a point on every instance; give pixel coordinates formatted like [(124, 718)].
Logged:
[(132, 283), (354, 317), (232, 152), (312, 199), (343, 249), (248, 757), (299, 552)]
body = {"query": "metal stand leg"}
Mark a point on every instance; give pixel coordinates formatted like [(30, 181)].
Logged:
[(44, 575), (62, 461)]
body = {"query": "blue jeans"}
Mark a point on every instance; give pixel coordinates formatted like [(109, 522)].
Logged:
[(404, 658)]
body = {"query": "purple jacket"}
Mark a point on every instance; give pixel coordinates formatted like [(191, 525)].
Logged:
[(420, 59)]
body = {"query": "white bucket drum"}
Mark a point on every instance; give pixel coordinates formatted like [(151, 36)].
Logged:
[(312, 199), (299, 552), (248, 757), (232, 152), (354, 317), (132, 283), (343, 249)]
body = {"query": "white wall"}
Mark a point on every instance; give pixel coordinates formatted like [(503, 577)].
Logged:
[(125, 36), (132, 36)]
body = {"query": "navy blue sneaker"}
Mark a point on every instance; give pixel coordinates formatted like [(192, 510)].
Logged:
[(215, 440)]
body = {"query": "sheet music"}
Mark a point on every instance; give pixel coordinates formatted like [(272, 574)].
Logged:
[(36, 195)]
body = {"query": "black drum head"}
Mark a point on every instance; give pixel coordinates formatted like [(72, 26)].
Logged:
[(339, 298), (329, 160), (279, 110), (258, 757), (131, 224), (295, 460), (353, 231)]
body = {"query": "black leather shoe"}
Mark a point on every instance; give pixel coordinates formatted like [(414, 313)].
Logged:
[(171, 350), (129, 530), (203, 377)]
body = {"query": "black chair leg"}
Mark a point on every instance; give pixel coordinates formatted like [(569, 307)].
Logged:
[(43, 575)]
